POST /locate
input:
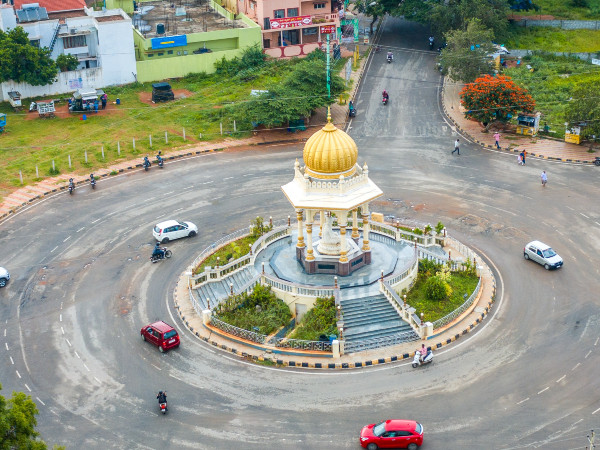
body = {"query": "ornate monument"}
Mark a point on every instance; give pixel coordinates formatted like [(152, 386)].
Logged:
[(331, 187)]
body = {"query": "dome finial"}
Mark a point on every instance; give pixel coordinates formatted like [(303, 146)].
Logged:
[(329, 114)]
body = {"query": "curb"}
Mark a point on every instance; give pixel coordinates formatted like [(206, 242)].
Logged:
[(16, 208), (515, 150), (346, 365)]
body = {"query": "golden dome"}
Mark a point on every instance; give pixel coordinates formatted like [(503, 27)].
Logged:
[(330, 151)]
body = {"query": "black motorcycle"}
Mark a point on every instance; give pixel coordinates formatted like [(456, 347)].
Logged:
[(160, 161), (71, 186), (164, 255), (597, 161), (351, 110), (92, 181), (147, 163)]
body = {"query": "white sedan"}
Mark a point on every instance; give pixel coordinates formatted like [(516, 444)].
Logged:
[(172, 229)]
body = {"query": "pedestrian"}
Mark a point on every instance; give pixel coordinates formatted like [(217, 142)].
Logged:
[(520, 159), (544, 178), (96, 105), (524, 155), (497, 139), (104, 99), (456, 148)]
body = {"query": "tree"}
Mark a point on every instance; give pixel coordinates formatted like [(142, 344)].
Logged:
[(437, 289), (495, 98), (66, 62), (376, 9), (17, 423), (584, 107), (20, 61), (466, 55)]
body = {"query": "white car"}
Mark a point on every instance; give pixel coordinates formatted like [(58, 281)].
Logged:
[(4, 277), (172, 229), (543, 254)]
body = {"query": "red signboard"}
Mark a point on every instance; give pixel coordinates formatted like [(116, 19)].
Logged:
[(327, 29), (290, 22)]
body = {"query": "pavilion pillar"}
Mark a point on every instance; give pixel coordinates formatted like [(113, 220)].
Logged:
[(309, 242), (300, 244), (355, 234), (343, 265), (366, 227), (321, 222)]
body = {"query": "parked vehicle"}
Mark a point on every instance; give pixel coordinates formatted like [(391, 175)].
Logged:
[(392, 434), (172, 229), (4, 277), (161, 334), (543, 254)]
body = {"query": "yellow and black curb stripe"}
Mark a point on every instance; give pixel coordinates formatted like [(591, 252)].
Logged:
[(348, 365)]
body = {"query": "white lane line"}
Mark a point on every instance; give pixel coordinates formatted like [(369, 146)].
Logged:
[(596, 343), (561, 378), (63, 330), (53, 249), (81, 229), (173, 376), (249, 175), (570, 208), (156, 367), (85, 365), (60, 305), (28, 388), (6, 345), (60, 318), (179, 209), (523, 401), (596, 411), (68, 342), (228, 178), (77, 354), (40, 400), (97, 380), (208, 182), (588, 354), (576, 366), (99, 218), (597, 223), (167, 193), (162, 215), (543, 390), (69, 237), (18, 374), (584, 215), (11, 360), (580, 420), (149, 199)]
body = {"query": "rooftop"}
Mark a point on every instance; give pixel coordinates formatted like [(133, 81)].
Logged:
[(179, 18), (52, 5)]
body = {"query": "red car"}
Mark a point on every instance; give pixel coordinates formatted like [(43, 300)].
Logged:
[(392, 434), (161, 334)]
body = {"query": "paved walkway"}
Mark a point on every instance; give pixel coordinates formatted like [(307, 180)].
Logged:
[(539, 147)]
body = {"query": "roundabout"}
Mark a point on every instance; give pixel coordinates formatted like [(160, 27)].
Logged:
[(81, 287)]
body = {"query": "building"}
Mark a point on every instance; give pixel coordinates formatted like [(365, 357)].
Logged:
[(293, 27), (101, 41), (174, 39)]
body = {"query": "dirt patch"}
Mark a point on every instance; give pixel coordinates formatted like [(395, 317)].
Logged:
[(62, 111), (530, 18), (146, 97)]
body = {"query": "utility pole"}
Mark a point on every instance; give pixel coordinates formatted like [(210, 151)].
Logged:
[(591, 441), (328, 69)]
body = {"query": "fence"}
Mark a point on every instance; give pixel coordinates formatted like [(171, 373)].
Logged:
[(239, 332), (298, 344), (458, 311), (562, 24)]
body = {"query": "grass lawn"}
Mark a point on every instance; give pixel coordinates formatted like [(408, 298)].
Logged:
[(562, 9), (236, 249), (551, 83), (460, 283), (29, 140), (554, 40)]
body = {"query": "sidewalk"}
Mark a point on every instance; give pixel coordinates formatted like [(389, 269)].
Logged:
[(538, 147)]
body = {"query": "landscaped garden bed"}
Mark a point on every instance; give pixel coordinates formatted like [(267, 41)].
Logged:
[(320, 321)]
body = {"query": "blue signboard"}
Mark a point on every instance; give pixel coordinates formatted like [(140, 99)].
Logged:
[(169, 41)]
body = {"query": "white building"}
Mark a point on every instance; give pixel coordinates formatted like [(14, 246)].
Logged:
[(102, 41)]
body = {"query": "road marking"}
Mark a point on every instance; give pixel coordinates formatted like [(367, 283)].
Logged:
[(60, 317), (576, 366), (167, 193), (62, 329), (228, 178), (173, 376), (180, 209), (596, 411), (584, 215), (85, 365), (588, 354), (11, 360), (99, 218), (208, 182), (81, 229), (68, 342), (570, 208), (69, 237), (543, 390), (61, 305), (596, 343), (561, 378), (149, 199), (597, 223), (18, 374), (6, 344), (523, 401), (155, 366), (53, 249), (580, 420), (5, 332), (97, 380), (39, 400), (77, 354), (162, 215), (28, 388)]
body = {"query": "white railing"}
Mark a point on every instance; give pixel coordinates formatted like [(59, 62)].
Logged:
[(294, 288)]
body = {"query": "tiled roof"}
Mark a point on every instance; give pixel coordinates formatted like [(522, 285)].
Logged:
[(53, 5)]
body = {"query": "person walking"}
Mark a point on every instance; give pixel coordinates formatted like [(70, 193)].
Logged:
[(522, 158), (497, 139), (456, 147), (104, 99), (544, 178), (524, 155)]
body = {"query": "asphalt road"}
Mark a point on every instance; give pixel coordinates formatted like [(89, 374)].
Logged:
[(83, 287)]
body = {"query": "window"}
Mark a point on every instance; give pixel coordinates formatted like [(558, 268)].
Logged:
[(161, 53), (319, 5), (74, 41), (169, 52), (292, 12), (150, 55), (267, 24), (35, 43), (309, 31), (279, 13)]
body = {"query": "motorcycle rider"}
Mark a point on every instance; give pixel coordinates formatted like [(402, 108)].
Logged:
[(159, 159), (385, 95), (71, 184), (431, 40), (162, 398), (92, 179), (146, 161), (351, 109), (390, 56), (158, 252), (424, 352)]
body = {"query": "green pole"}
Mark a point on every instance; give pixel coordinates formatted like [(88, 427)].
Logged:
[(328, 70)]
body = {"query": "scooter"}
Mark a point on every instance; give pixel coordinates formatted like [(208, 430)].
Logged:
[(163, 407), (351, 110), (71, 186), (597, 161), (417, 359), (165, 255), (147, 163), (160, 161), (389, 58), (385, 100), (431, 43), (92, 181)]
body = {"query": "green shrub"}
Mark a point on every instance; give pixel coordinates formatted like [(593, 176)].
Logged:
[(439, 227), (251, 59), (437, 289), (428, 267), (321, 319)]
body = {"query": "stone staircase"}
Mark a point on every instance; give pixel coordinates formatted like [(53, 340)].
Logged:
[(372, 322), (219, 290)]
